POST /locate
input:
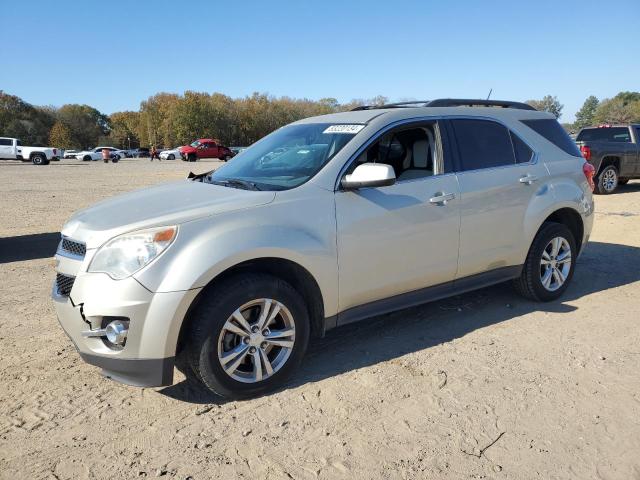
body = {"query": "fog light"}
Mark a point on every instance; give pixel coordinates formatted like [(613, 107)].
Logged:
[(116, 332)]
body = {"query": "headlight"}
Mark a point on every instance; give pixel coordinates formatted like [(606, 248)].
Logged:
[(124, 255)]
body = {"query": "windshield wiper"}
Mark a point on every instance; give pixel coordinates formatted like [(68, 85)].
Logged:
[(236, 183)]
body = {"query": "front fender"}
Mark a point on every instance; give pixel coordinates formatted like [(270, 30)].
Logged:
[(205, 248)]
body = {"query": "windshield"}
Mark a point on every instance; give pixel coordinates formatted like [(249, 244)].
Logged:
[(195, 144), (288, 157)]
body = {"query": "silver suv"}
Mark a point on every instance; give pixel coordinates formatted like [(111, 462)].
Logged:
[(327, 221)]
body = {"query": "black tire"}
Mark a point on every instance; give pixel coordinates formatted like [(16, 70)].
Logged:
[(623, 181), (607, 180), (192, 157), (227, 158), (529, 284), (86, 158), (200, 349), (39, 159), (171, 156)]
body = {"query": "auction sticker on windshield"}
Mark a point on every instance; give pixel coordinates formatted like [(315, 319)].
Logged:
[(344, 129)]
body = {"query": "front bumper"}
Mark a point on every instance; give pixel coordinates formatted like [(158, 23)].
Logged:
[(148, 356)]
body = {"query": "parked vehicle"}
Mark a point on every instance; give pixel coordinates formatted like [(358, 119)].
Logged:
[(324, 222), (205, 148), (96, 154), (141, 152), (614, 151), (12, 149), (237, 150), (170, 154), (70, 154)]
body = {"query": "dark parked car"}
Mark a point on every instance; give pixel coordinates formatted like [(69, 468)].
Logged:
[(141, 152), (614, 151)]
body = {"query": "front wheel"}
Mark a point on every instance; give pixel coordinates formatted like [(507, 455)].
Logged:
[(247, 336), (171, 157), (607, 180), (550, 263)]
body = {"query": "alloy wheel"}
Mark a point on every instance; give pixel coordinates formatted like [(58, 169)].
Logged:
[(555, 263), (610, 180), (256, 340)]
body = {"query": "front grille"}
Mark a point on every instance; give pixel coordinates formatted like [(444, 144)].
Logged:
[(64, 284), (75, 248)]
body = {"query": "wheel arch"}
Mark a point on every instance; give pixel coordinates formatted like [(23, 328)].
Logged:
[(293, 273), (609, 160), (572, 220)]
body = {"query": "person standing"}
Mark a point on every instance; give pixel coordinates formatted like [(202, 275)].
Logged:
[(105, 155), (154, 153)]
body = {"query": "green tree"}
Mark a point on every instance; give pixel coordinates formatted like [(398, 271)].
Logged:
[(585, 116), (124, 129), (22, 120), (614, 110), (86, 124), (60, 136), (549, 103)]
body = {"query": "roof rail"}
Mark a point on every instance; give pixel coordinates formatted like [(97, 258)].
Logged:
[(392, 105), (451, 102), (465, 102)]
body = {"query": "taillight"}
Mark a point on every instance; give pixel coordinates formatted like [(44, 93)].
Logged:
[(589, 171), (586, 152)]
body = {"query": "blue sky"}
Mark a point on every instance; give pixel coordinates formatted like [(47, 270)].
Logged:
[(114, 54)]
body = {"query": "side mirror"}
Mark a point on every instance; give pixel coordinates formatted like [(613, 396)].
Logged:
[(369, 175)]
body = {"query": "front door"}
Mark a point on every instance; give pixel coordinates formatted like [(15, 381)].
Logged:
[(404, 237), (6, 148)]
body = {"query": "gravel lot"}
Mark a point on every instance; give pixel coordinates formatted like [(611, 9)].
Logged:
[(484, 385)]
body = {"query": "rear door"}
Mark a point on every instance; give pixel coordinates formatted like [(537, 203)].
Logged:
[(498, 176)]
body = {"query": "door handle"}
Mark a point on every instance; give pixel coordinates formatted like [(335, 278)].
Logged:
[(528, 179), (441, 198)]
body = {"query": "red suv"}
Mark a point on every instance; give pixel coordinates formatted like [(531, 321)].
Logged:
[(205, 148)]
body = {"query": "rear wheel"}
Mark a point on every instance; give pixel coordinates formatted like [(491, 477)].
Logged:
[(247, 336), (607, 180), (550, 263), (39, 159), (171, 157), (227, 158), (86, 158)]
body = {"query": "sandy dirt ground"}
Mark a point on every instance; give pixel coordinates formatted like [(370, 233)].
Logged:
[(484, 385)]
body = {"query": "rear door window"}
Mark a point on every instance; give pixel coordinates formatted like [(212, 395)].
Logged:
[(554, 133), (5, 142), (482, 144)]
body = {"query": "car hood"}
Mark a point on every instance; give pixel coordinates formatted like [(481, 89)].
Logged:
[(187, 148), (167, 204)]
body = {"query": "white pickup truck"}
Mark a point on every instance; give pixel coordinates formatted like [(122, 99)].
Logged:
[(12, 149)]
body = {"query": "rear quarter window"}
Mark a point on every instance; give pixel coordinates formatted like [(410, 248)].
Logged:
[(554, 133)]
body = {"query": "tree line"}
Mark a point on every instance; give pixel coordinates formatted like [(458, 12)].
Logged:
[(169, 120)]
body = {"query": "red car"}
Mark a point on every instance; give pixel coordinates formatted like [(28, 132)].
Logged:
[(205, 148)]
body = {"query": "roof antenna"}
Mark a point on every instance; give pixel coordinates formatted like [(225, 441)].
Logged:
[(490, 90)]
